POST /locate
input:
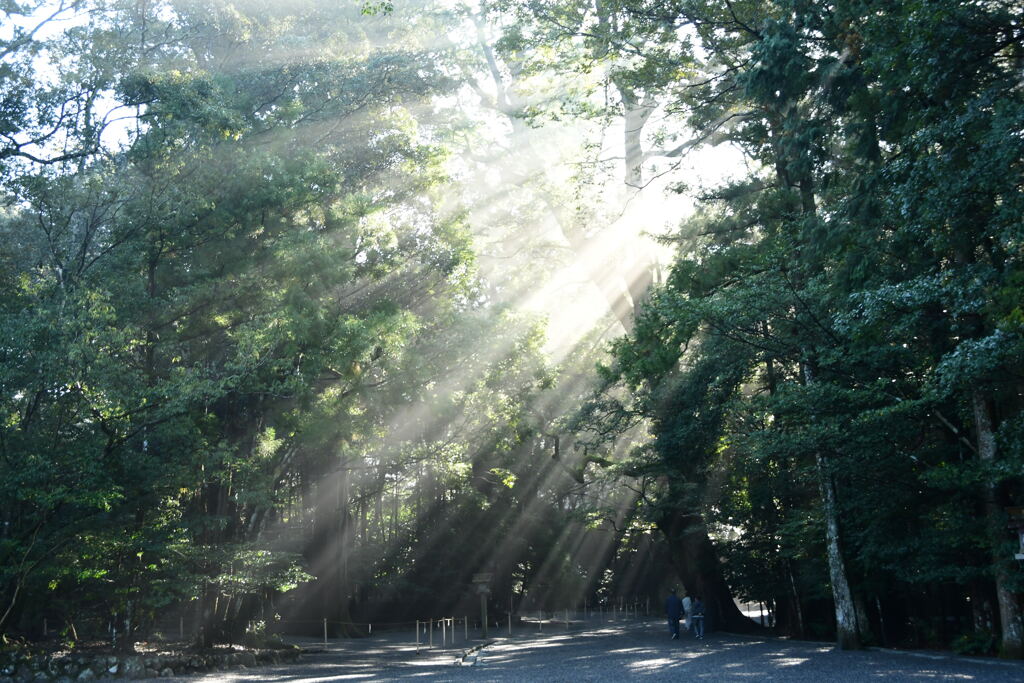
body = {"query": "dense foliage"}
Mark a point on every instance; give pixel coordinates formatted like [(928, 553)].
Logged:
[(832, 370), (245, 350), (261, 356)]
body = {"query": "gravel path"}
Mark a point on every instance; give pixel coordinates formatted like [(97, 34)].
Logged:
[(622, 651)]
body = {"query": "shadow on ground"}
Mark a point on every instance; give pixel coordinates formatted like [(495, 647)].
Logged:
[(613, 652)]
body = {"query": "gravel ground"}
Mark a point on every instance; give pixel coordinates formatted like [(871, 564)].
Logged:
[(620, 651)]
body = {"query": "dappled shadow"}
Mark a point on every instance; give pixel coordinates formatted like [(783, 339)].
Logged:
[(646, 652), (625, 651)]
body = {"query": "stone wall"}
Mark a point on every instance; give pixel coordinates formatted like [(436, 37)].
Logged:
[(85, 667)]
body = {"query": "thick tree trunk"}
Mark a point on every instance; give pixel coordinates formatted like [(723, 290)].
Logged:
[(1009, 605), (696, 561)]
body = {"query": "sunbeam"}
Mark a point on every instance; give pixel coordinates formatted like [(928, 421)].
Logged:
[(335, 287)]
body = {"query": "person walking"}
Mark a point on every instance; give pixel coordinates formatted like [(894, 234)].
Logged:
[(687, 606), (697, 617), (673, 610)]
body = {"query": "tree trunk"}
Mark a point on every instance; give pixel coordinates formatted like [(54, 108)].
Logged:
[(694, 558), (982, 613), (860, 608), (847, 633), (789, 611), (394, 515), (205, 636), (635, 114), (334, 536), (1009, 606)]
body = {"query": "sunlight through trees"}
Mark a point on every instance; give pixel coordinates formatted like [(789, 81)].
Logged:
[(311, 311)]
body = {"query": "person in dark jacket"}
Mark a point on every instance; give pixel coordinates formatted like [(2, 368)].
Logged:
[(673, 610)]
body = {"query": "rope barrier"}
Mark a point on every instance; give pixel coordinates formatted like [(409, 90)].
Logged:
[(566, 615), (446, 626)]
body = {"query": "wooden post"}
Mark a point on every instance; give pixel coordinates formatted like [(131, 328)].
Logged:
[(510, 623), (325, 631), (431, 634), (483, 613), (417, 636)]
